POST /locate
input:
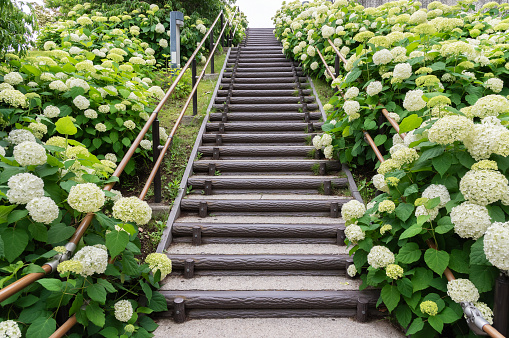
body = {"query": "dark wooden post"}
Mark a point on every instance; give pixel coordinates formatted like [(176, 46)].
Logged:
[(155, 150), (362, 310), (189, 268), (179, 310), (501, 308), (193, 82)]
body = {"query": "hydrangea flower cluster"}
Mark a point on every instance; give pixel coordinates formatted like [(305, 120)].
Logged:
[(123, 310), (43, 210), (93, 260), (351, 271), (9, 329), (429, 307), (462, 290), (354, 233), (352, 209), (380, 256), (496, 245), (132, 209), (24, 187), (86, 197), (159, 261)]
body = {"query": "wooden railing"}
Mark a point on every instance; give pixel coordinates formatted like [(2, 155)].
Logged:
[(484, 326), (153, 122)]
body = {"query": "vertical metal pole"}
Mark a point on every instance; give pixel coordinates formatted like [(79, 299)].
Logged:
[(501, 308), (195, 95), (155, 150), (212, 54), (222, 24), (336, 69)]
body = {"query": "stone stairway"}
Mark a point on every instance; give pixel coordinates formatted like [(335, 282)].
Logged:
[(260, 234)]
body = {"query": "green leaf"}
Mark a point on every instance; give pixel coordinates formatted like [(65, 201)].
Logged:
[(432, 203), (129, 263), (15, 242), (403, 315), (405, 287), (421, 278), (46, 170), (51, 284), (477, 256), (390, 296), (496, 213), (442, 163), (436, 323), (5, 210), (97, 292), (148, 324), (414, 300), (437, 260), (459, 261), (65, 126), (116, 242), (404, 211), (483, 277), (95, 314), (448, 315), (158, 302), (76, 304), (380, 139), (465, 159), (146, 289), (354, 74), (411, 190), (376, 276), (59, 232), (443, 229), (41, 328), (411, 231), (16, 215), (410, 123), (438, 66), (142, 309), (417, 325), (107, 285), (409, 253), (109, 332), (430, 153)]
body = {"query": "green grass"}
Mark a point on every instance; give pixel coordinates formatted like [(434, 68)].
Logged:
[(324, 90)]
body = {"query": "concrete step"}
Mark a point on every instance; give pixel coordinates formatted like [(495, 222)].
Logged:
[(257, 127), (264, 100), (225, 152), (265, 116), (263, 166), (268, 107), (263, 93)]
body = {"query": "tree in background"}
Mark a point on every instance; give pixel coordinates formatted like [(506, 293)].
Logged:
[(16, 27)]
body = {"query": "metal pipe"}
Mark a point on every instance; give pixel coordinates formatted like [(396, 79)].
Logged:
[(177, 122), (62, 330), (23, 282), (393, 123), (373, 146)]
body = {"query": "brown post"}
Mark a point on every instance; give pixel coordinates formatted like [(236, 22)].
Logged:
[(212, 169), (362, 310), (224, 117), (340, 239), (219, 140), (327, 187), (322, 170), (307, 118), (501, 308), (334, 210), (215, 153), (189, 268), (197, 232), (202, 212), (208, 188), (179, 310), (310, 128), (221, 128)]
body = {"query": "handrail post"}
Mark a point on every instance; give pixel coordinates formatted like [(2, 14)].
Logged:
[(212, 52), (155, 151), (501, 308), (222, 24), (193, 81), (336, 70)]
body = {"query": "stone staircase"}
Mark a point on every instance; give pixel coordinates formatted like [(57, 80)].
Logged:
[(260, 234)]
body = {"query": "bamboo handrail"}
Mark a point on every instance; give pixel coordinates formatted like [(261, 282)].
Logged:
[(23, 282)]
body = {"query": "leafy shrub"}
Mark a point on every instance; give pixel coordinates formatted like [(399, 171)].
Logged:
[(50, 187), (444, 186)]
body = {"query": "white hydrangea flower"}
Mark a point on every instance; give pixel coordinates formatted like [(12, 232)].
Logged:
[(86, 197), (413, 100), (42, 210), (317, 142), (462, 290), (380, 256), (132, 209), (382, 57), (402, 71), (327, 31), (13, 78), (81, 102), (470, 220), (58, 85), (101, 127), (311, 51), (156, 91), (351, 271), (146, 144), (405, 155), (314, 65), (17, 136), (160, 28), (2, 151), (51, 111), (379, 183), (437, 190), (32, 84), (483, 187), (9, 329), (163, 43), (496, 85), (111, 157), (328, 152), (30, 153), (24, 187), (351, 107), (159, 261), (352, 209), (351, 93), (354, 233), (93, 259), (496, 245), (422, 211), (123, 310), (490, 105), (374, 88), (450, 128), (90, 113)]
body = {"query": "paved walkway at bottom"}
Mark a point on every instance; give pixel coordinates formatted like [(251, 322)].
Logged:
[(278, 327)]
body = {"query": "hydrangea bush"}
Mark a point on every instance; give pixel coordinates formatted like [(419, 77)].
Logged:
[(440, 73), (46, 189)]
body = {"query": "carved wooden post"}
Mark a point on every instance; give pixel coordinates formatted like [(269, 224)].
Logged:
[(179, 310)]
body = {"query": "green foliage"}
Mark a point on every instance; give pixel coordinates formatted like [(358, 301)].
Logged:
[(15, 27)]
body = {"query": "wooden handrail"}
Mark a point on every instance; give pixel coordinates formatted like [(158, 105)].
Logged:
[(338, 53), (177, 123), (325, 63), (21, 283), (62, 330)]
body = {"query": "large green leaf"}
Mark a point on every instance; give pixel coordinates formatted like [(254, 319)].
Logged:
[(390, 296), (442, 163), (41, 328), (15, 242), (483, 277), (116, 242), (417, 325), (158, 302), (65, 126), (97, 292), (403, 315), (436, 323), (409, 253), (5, 210), (448, 315), (405, 287), (410, 123), (95, 314), (459, 261), (437, 260), (404, 211), (477, 256), (59, 233), (411, 231), (129, 264), (51, 284), (421, 278)]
